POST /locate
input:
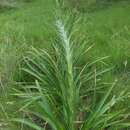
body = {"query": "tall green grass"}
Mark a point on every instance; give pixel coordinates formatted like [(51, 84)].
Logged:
[(11, 52), (65, 87), (65, 95)]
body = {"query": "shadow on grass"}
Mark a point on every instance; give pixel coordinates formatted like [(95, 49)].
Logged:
[(97, 5)]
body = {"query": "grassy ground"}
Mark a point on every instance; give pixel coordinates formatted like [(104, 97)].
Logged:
[(32, 24)]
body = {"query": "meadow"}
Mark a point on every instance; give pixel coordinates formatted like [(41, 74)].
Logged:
[(65, 66)]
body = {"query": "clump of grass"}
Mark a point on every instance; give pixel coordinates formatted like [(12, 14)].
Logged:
[(65, 95), (11, 52)]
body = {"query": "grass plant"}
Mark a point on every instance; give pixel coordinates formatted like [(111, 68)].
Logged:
[(79, 82), (64, 95)]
